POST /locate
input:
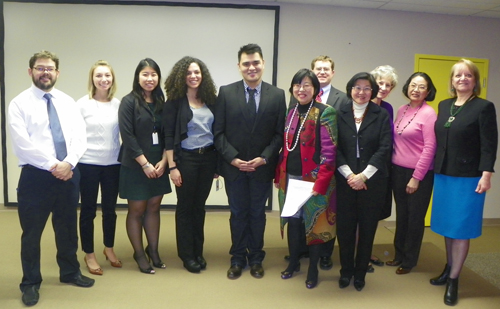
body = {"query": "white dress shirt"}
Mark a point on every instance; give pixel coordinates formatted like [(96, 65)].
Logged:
[(29, 128)]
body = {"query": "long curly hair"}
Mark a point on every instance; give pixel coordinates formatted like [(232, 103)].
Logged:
[(175, 85)]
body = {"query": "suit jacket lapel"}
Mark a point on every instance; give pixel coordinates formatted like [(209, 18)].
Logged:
[(371, 115), (262, 103), (348, 116)]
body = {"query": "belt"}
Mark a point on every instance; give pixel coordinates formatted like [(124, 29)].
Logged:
[(200, 150)]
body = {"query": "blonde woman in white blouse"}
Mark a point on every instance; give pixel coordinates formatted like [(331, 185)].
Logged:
[(99, 165)]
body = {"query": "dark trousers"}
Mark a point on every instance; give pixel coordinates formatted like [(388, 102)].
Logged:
[(247, 199), (39, 194), (197, 172), (91, 176), (410, 214), (358, 208)]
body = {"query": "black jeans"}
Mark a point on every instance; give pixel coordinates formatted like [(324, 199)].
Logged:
[(91, 177), (197, 172), (39, 194)]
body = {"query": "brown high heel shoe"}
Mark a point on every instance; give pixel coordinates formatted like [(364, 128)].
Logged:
[(96, 271), (117, 263)]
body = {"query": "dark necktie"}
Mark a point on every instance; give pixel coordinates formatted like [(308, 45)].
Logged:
[(252, 105), (55, 128), (318, 97)]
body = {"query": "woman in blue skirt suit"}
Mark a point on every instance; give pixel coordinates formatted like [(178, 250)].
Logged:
[(467, 138)]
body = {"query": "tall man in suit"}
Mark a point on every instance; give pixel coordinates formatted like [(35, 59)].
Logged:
[(248, 133), (324, 68), (48, 136)]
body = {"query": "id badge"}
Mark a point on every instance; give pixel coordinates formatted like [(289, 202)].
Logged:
[(155, 138)]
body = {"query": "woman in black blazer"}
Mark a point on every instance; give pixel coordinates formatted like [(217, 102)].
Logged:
[(144, 161), (467, 139), (188, 118), (364, 147)]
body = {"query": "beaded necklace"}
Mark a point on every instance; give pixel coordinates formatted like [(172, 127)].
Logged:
[(402, 117), (360, 119), (300, 128)]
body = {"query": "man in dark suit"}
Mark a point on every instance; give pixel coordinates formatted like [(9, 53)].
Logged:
[(324, 68), (248, 133)]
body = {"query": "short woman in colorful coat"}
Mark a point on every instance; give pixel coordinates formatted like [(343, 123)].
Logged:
[(310, 156)]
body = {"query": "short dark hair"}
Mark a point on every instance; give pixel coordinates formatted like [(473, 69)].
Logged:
[(157, 93), (366, 76), (299, 77), (430, 86), (44, 54), (250, 49)]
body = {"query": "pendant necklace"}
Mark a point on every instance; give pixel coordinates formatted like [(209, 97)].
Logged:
[(300, 128), (402, 117), (453, 114)]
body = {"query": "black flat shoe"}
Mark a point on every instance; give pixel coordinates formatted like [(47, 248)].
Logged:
[(325, 263), (359, 284), (344, 282), (377, 262), (451, 293), (234, 272), (30, 296), (81, 281), (257, 271), (441, 279), (203, 263), (192, 266), (287, 274)]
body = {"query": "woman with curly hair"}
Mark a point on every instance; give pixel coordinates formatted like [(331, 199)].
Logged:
[(189, 141)]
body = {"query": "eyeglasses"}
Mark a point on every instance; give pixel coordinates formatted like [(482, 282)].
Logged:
[(303, 86), (420, 87), (359, 89), (43, 69)]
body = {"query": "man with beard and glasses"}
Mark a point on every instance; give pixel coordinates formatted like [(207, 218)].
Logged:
[(48, 137)]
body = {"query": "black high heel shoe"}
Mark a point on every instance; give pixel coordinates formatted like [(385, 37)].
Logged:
[(149, 270), (287, 274), (159, 264)]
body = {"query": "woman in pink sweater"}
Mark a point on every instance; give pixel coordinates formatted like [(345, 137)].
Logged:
[(412, 169)]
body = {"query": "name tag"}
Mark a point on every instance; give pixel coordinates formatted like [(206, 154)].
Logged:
[(155, 138)]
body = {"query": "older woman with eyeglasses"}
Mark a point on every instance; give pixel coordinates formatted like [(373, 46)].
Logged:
[(364, 146), (308, 154)]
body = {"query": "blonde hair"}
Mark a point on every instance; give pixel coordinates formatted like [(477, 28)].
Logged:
[(91, 87), (473, 69), (386, 71), (322, 58)]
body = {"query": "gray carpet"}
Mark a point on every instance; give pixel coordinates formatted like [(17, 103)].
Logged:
[(485, 265)]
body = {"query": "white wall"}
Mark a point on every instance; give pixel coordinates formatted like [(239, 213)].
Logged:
[(361, 39)]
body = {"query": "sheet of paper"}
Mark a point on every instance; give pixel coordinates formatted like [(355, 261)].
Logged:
[(297, 194)]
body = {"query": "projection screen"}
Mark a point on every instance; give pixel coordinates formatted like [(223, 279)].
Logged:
[(124, 32)]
